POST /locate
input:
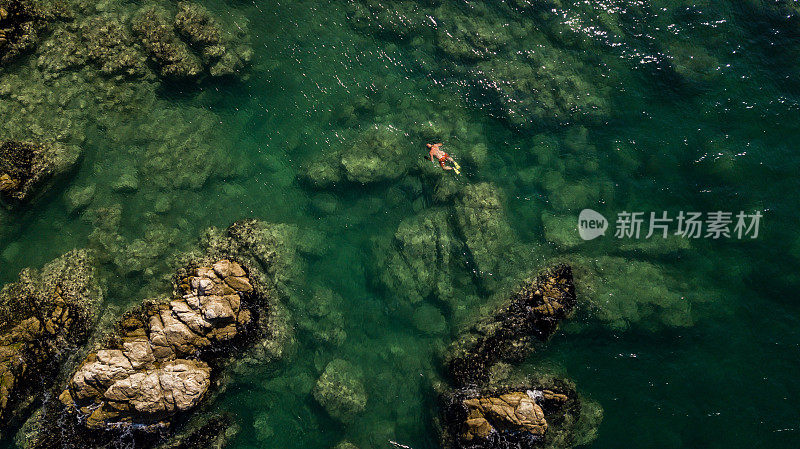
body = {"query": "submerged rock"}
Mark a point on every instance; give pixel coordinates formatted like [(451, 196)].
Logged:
[(340, 391), (374, 155), (21, 24), (193, 43), (547, 86), (204, 33), (25, 167), (531, 313), (108, 43), (486, 233), (422, 263), (43, 316), (173, 56)]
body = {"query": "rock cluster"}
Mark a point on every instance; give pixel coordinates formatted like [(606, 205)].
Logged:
[(21, 23), (26, 166), (484, 408), (154, 368), (42, 316), (541, 412), (531, 313), (189, 45)]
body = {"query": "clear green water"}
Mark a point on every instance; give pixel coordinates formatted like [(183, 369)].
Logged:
[(711, 362)]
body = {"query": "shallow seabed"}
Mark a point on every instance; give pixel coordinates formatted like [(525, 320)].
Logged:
[(683, 343)]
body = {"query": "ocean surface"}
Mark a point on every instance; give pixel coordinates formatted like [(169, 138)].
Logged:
[(685, 343)]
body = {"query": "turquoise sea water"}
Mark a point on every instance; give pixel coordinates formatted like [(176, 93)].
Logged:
[(684, 344)]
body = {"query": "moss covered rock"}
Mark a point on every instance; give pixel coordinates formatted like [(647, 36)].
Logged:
[(27, 167), (43, 316), (340, 391)]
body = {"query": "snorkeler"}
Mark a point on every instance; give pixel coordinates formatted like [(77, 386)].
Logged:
[(436, 153)]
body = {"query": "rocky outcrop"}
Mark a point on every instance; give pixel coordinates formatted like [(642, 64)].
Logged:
[(154, 368), (164, 359), (488, 407), (531, 313), (42, 316), (542, 412), (25, 167)]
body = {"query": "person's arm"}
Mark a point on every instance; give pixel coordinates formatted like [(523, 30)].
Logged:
[(446, 167)]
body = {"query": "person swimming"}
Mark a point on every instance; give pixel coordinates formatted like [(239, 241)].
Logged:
[(436, 154)]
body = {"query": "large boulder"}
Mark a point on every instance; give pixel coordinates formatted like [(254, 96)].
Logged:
[(43, 316), (340, 391), (154, 368), (27, 167)]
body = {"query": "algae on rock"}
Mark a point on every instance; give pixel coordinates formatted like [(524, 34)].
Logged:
[(340, 391), (43, 316)]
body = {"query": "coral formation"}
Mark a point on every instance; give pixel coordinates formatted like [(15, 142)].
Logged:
[(43, 316)]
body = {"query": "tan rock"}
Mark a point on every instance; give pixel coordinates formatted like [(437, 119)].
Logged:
[(510, 410), (239, 283), (225, 268)]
